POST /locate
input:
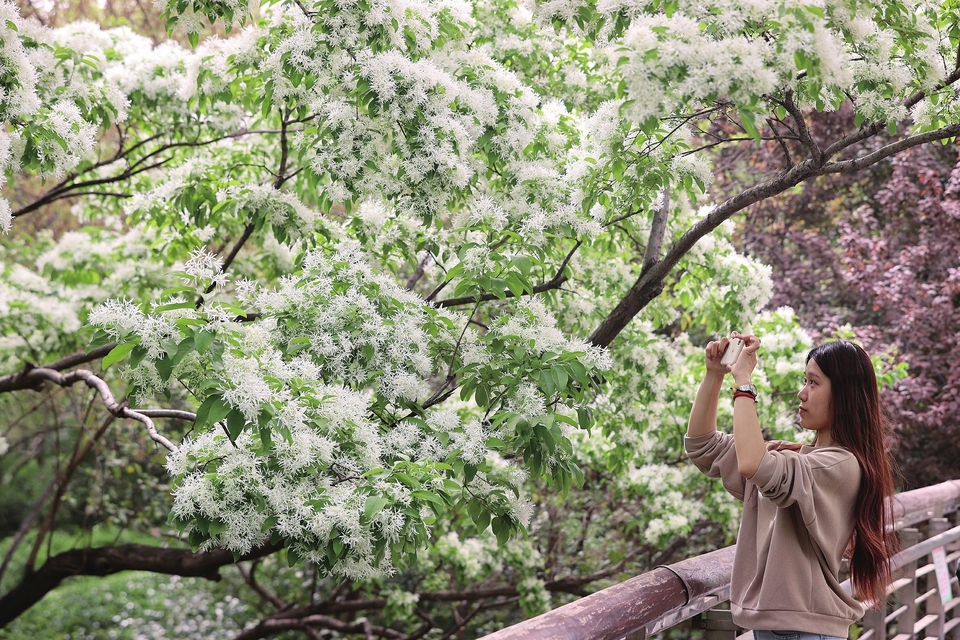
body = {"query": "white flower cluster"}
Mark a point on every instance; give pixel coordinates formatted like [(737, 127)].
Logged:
[(122, 319), (36, 316), (206, 268), (472, 557), (333, 308), (535, 325), (280, 209), (665, 491), (306, 389), (744, 51), (734, 66), (18, 75)]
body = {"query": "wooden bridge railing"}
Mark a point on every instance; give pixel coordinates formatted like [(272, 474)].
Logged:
[(695, 592)]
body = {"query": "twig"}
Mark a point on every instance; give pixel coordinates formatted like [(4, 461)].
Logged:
[(554, 283)]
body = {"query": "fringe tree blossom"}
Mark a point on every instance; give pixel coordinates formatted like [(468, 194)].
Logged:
[(306, 412)]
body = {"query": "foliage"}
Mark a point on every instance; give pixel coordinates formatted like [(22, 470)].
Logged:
[(415, 291)]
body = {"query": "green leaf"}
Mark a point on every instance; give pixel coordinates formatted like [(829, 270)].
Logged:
[(269, 523), (583, 415), (266, 439), (100, 338), (202, 340), (547, 384), (118, 353), (373, 506), (501, 529), (175, 290), (481, 396), (137, 355), (293, 558), (235, 424), (482, 521), (407, 480), (164, 368), (196, 538), (746, 117), (429, 497), (213, 410)]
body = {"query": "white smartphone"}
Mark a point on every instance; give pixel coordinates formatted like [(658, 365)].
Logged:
[(734, 347)]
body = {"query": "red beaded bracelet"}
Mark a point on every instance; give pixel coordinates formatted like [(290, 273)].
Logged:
[(744, 394)]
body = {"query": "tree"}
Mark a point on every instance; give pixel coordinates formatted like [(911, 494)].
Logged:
[(374, 268)]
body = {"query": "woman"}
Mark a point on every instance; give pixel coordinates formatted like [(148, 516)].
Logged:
[(803, 506)]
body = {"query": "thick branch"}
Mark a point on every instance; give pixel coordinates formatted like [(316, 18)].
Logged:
[(105, 561), (657, 231), (650, 282), (856, 164), (19, 381)]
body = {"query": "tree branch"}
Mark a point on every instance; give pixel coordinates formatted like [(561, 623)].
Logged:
[(657, 231), (19, 381), (802, 131), (103, 561), (856, 164), (272, 626), (33, 378), (554, 283), (65, 188), (651, 281)]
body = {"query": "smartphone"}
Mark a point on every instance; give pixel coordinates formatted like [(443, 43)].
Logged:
[(734, 347)]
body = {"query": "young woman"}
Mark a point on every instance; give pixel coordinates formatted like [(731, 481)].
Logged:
[(804, 507)]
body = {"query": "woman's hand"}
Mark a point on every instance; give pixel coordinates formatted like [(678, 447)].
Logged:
[(742, 369), (714, 354)]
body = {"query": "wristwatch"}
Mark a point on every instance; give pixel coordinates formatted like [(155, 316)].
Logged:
[(746, 389)]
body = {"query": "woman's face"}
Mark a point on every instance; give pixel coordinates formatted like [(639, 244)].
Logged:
[(816, 412)]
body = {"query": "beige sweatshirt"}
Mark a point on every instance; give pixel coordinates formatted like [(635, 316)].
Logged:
[(798, 514)]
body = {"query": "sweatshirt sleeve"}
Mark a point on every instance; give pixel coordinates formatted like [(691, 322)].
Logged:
[(813, 481), (715, 455)]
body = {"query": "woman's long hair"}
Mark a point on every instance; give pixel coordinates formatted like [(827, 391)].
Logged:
[(859, 425)]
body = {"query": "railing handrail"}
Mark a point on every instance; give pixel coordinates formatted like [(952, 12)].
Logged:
[(634, 604)]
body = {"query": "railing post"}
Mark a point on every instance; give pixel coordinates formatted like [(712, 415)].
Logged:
[(875, 620), (951, 629), (934, 605), (717, 624), (907, 592)]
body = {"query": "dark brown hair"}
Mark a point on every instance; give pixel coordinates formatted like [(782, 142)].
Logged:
[(859, 425)]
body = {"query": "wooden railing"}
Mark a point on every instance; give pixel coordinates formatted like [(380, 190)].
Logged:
[(695, 593)]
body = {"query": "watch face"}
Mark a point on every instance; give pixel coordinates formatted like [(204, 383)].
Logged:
[(749, 388)]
